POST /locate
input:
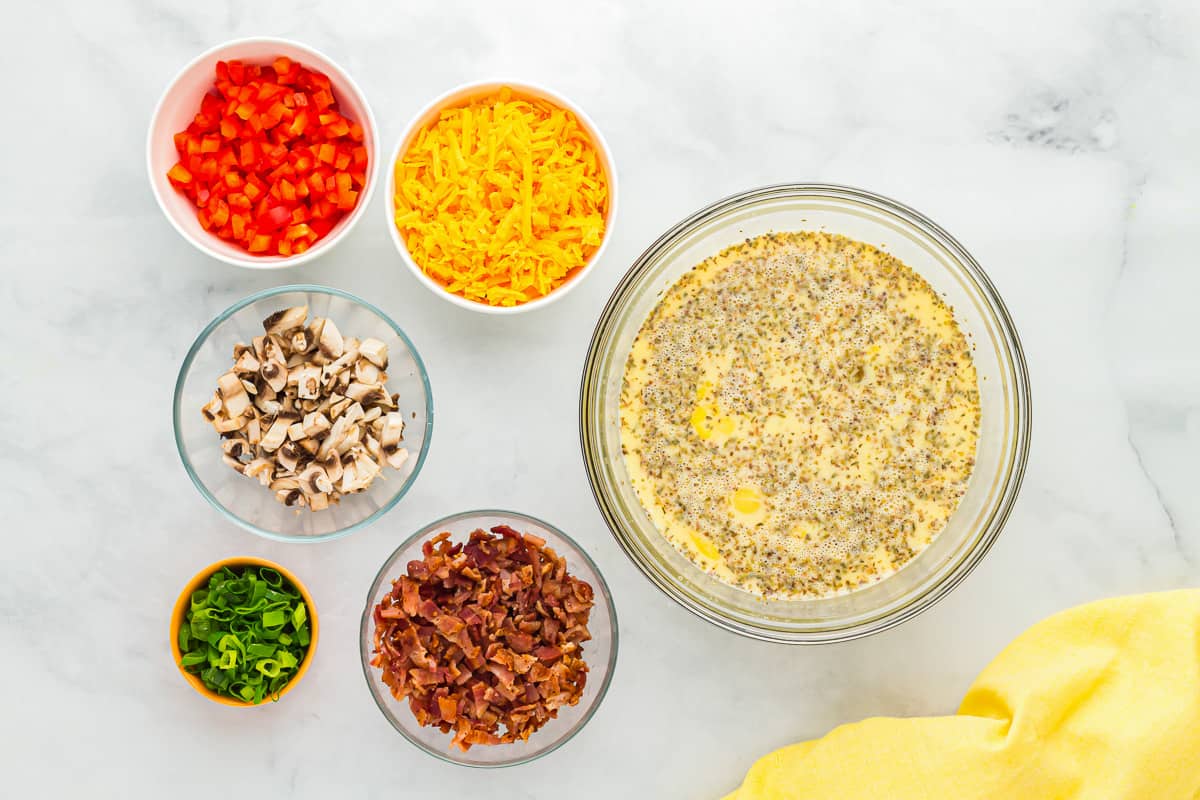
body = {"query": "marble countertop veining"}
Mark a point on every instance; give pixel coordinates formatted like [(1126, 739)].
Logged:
[(1057, 140)]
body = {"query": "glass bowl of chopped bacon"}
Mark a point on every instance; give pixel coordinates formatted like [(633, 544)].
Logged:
[(262, 153), (488, 638)]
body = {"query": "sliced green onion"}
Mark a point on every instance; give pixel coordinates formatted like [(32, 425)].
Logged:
[(245, 634), (268, 667)]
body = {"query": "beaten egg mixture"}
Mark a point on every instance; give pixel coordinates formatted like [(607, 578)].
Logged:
[(799, 415)]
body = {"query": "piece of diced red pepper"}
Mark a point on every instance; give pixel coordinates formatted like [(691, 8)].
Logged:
[(179, 174)]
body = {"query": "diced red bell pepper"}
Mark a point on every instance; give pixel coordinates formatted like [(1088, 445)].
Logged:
[(268, 159)]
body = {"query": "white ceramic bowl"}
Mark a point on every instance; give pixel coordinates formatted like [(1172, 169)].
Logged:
[(465, 93), (179, 104)]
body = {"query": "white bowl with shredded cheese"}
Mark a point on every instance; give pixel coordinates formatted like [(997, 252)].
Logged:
[(520, 202)]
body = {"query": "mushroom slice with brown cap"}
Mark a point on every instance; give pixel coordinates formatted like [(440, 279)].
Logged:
[(358, 470), (275, 374), (368, 394), (372, 445), (315, 423), (392, 432), (276, 434), (314, 480), (262, 469), (253, 431), (290, 497), (374, 351), (352, 439), (224, 424), (366, 372), (233, 395), (396, 459), (247, 363), (332, 464), (308, 382), (212, 409), (334, 438), (236, 447), (289, 456), (286, 320), (329, 340), (353, 413), (300, 341), (318, 502)]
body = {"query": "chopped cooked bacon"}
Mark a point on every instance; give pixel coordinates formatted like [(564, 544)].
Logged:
[(485, 635)]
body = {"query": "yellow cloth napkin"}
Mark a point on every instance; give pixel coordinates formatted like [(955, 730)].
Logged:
[(1102, 701)]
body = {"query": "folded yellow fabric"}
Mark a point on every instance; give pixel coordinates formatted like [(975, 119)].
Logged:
[(1099, 702)]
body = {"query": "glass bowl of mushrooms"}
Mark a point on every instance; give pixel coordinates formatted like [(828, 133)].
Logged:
[(302, 413)]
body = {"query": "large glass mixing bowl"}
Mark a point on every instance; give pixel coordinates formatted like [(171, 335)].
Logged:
[(1004, 399)]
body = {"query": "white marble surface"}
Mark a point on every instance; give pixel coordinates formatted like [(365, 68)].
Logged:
[(1057, 140)]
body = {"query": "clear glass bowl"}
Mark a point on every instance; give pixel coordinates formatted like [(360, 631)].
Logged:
[(1004, 395), (600, 653), (244, 501)]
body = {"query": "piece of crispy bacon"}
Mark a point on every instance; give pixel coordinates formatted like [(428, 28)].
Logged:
[(485, 635)]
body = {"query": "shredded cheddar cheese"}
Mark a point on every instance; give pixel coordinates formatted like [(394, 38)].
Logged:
[(503, 199)]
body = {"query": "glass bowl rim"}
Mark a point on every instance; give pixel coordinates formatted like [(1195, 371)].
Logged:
[(186, 366), (1012, 355), (449, 756)]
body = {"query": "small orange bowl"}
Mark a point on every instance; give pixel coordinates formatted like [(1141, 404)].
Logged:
[(184, 602)]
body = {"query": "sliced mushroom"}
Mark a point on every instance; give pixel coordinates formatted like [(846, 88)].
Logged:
[(353, 437), (315, 423), (275, 374), (308, 382), (330, 341), (368, 394), (330, 443), (396, 460), (374, 351), (290, 497), (247, 363), (301, 341), (224, 424), (289, 456), (392, 432), (276, 434), (236, 447), (262, 469), (366, 372), (285, 320), (372, 445), (359, 472), (318, 502), (233, 395), (337, 409), (332, 464), (314, 480), (253, 431), (212, 409)]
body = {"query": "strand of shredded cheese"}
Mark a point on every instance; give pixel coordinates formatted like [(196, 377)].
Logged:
[(501, 200)]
